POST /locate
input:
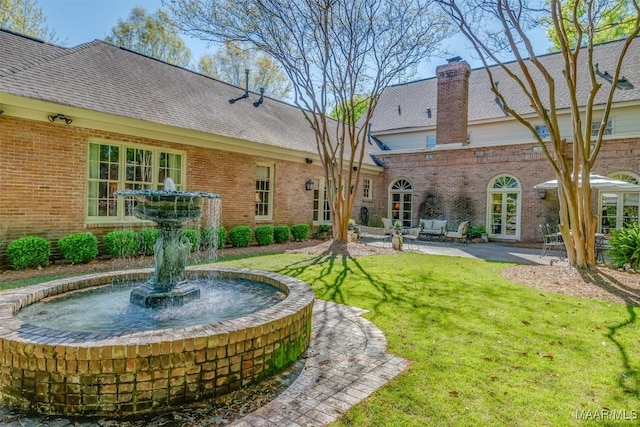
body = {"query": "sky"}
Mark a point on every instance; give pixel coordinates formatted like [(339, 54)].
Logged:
[(81, 21)]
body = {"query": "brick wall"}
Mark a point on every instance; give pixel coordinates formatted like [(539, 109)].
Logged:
[(464, 174), (43, 178)]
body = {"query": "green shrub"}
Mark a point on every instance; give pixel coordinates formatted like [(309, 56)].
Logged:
[(240, 236), (264, 235), (79, 248), (28, 251), (208, 235), (625, 246), (300, 232), (121, 243), (476, 231), (375, 220), (194, 238), (148, 237), (281, 233)]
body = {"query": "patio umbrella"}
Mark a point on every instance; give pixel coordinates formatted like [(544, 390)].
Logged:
[(597, 182)]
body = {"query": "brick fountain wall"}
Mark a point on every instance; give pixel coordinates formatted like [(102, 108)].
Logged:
[(80, 373)]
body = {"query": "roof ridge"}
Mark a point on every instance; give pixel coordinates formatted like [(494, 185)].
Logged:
[(34, 61)]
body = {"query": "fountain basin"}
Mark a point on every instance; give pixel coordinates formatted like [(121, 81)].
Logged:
[(81, 373)]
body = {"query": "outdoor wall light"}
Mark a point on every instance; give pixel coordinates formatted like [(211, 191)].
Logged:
[(52, 118), (542, 194), (308, 185), (308, 160)]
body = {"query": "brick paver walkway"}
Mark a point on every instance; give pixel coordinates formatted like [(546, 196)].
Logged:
[(346, 362)]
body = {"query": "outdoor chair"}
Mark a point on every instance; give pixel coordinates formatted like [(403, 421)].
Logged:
[(551, 241), (410, 238), (602, 246), (460, 235), (388, 226), (372, 234)]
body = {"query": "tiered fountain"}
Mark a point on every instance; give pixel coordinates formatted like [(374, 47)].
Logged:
[(169, 209), (64, 369)]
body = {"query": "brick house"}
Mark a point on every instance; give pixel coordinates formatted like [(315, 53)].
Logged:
[(79, 123), (450, 151)]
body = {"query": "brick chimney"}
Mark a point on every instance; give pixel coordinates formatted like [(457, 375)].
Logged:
[(453, 101)]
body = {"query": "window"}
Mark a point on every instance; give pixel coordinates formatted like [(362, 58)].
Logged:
[(401, 202), (112, 167), (321, 210), (503, 204), (542, 131), (619, 208), (264, 192), (366, 189), (595, 128), (431, 142)]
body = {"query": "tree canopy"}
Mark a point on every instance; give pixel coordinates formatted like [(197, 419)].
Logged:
[(331, 51), (609, 20), (25, 17), (152, 35), (229, 62)]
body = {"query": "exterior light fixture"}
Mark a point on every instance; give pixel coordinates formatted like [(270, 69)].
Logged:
[(52, 118), (308, 160), (542, 194), (309, 185)]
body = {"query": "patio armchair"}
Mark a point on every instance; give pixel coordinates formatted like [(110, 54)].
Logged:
[(410, 238), (388, 226), (460, 235), (551, 241)]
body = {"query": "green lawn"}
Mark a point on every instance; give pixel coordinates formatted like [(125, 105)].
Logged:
[(484, 351)]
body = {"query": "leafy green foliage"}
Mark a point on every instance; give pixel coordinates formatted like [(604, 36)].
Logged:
[(148, 237), (476, 231), (351, 110), (625, 246), (264, 235), (79, 247), (300, 232), (121, 243), (194, 238), (281, 233), (152, 35), (240, 236), (610, 20), (228, 64), (214, 236), (26, 17), (30, 251)]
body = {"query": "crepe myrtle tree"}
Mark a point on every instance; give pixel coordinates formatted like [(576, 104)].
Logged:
[(498, 27), (331, 51)]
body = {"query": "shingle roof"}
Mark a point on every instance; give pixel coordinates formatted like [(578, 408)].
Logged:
[(413, 99), (100, 77)]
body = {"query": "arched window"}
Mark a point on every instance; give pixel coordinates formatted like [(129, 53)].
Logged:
[(619, 208), (401, 201), (503, 204)]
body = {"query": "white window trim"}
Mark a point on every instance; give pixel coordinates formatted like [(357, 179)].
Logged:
[(121, 216), (503, 191), (271, 167), (370, 195), (595, 127)]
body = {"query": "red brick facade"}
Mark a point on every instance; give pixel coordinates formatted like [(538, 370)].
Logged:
[(464, 174), (453, 102), (43, 169)]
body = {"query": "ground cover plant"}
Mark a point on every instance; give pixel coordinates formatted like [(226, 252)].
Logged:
[(484, 351)]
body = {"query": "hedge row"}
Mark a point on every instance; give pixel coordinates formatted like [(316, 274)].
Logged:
[(32, 251)]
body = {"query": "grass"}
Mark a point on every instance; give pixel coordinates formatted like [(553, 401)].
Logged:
[(484, 351)]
